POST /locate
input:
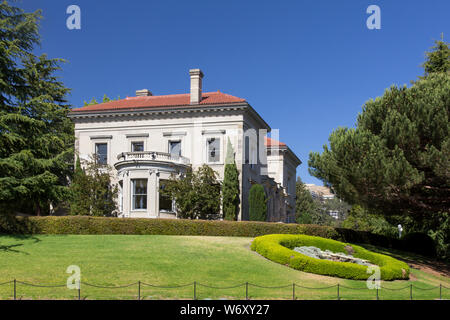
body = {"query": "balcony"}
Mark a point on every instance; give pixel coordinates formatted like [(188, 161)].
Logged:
[(152, 156)]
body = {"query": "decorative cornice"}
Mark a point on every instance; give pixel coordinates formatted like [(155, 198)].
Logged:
[(137, 135), (100, 137), (177, 133), (213, 132), (157, 111)]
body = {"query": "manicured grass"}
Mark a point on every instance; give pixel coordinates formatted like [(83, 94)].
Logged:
[(115, 260)]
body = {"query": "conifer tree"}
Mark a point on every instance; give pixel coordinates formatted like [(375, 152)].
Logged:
[(230, 187), (257, 203), (304, 203), (438, 59), (36, 136), (397, 159)]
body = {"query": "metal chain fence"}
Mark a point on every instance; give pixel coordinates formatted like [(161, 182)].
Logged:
[(247, 285)]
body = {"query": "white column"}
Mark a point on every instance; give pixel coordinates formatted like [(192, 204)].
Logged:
[(152, 194), (126, 194)]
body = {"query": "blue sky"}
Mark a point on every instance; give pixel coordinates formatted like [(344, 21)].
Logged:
[(306, 66)]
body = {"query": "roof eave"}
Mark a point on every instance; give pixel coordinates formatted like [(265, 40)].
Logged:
[(163, 109), (259, 118)]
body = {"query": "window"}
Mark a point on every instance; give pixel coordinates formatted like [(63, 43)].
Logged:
[(139, 194), (175, 148), (213, 150), (101, 152), (247, 150), (137, 146), (334, 214)]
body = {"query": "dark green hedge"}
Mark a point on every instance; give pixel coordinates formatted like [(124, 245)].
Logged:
[(278, 248), (420, 243)]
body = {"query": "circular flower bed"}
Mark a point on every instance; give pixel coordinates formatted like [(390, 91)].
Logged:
[(278, 248)]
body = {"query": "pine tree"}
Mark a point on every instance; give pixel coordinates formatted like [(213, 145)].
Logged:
[(36, 136), (438, 59), (397, 159), (230, 187), (257, 203), (304, 203)]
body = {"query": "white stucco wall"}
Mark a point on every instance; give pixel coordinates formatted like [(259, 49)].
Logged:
[(192, 129)]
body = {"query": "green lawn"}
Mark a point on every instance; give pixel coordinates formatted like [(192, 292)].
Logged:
[(115, 260)]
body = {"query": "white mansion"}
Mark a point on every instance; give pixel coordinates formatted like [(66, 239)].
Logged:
[(147, 138)]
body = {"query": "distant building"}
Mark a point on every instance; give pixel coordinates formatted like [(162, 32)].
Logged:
[(322, 193)]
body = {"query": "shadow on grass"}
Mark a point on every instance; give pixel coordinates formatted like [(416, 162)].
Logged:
[(17, 229), (17, 237), (9, 248), (415, 261)]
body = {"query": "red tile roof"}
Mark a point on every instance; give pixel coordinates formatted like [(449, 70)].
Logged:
[(269, 142), (173, 100)]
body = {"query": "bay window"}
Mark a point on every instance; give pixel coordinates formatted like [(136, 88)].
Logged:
[(139, 189)]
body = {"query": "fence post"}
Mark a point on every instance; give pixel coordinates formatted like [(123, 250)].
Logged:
[(440, 291), (338, 292), (139, 290), (410, 291), (293, 291), (14, 289), (195, 290), (377, 293), (79, 291), (246, 291)]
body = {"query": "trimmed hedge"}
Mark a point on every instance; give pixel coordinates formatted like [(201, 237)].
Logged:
[(278, 248), (103, 225), (143, 226), (420, 243)]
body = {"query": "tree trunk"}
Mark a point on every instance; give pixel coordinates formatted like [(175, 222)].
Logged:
[(38, 209)]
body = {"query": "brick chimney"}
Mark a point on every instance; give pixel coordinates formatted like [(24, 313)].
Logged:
[(143, 93), (196, 85)]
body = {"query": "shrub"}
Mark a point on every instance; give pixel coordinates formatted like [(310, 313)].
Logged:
[(257, 203), (197, 194), (92, 191), (11, 225), (357, 236), (278, 248), (419, 243), (108, 225)]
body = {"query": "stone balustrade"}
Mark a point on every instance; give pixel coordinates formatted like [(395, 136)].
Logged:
[(152, 156)]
